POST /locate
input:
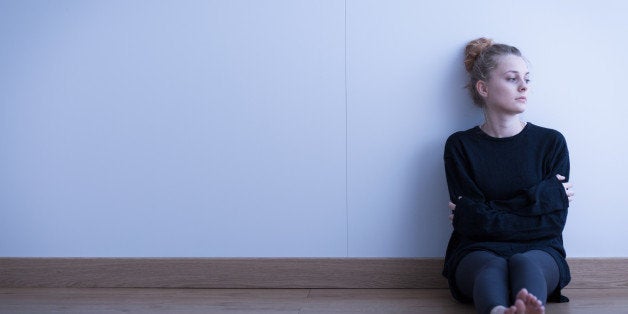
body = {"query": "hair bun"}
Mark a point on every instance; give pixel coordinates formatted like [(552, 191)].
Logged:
[(473, 49)]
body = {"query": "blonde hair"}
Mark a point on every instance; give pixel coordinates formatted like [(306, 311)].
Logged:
[(480, 57)]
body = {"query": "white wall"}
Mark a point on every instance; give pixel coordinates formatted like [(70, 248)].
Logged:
[(282, 128)]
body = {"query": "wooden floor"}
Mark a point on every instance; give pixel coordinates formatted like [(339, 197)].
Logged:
[(125, 300)]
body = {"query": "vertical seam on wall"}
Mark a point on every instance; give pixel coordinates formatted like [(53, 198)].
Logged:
[(346, 136)]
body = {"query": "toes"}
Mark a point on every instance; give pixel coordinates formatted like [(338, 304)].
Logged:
[(523, 294), (533, 301), (511, 310), (520, 307), (531, 298)]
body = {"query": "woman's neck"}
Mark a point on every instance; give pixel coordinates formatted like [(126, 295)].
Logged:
[(502, 126)]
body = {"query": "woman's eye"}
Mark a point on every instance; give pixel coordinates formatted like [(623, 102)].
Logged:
[(511, 79), (527, 81)]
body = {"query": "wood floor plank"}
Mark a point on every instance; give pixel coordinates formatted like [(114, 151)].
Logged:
[(599, 273), (238, 273), (266, 273), (383, 301), (587, 301), (275, 301), (103, 300)]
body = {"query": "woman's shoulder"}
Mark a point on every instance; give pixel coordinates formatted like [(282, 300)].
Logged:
[(545, 132), (458, 140), (464, 135)]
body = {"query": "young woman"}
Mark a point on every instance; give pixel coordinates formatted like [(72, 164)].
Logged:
[(509, 193)]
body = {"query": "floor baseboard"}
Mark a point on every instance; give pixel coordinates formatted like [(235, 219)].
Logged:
[(239, 273)]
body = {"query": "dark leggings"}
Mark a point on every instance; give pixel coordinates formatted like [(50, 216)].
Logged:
[(491, 280)]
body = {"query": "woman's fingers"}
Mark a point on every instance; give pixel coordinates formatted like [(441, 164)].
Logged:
[(452, 206), (570, 194), (568, 187), (569, 191)]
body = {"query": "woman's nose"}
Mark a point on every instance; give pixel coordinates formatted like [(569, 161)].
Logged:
[(523, 87)]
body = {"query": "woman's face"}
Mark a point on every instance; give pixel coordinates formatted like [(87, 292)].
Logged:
[(505, 91)]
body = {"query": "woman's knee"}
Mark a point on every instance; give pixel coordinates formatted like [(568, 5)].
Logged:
[(479, 263), (531, 259), (498, 264), (519, 260)]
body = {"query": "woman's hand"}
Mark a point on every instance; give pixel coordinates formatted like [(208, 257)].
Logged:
[(568, 187), (452, 208)]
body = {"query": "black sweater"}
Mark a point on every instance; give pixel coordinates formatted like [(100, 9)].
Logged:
[(508, 199)]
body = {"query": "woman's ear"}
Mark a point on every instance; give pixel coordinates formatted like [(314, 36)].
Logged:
[(482, 88)]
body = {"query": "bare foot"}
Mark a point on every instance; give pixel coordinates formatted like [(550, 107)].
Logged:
[(498, 310), (520, 306), (504, 310), (527, 303)]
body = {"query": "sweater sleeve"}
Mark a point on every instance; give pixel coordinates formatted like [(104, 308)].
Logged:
[(480, 222), (546, 196), (536, 213)]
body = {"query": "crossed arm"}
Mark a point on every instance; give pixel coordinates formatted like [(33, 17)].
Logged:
[(566, 185), (483, 221), (537, 212)]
